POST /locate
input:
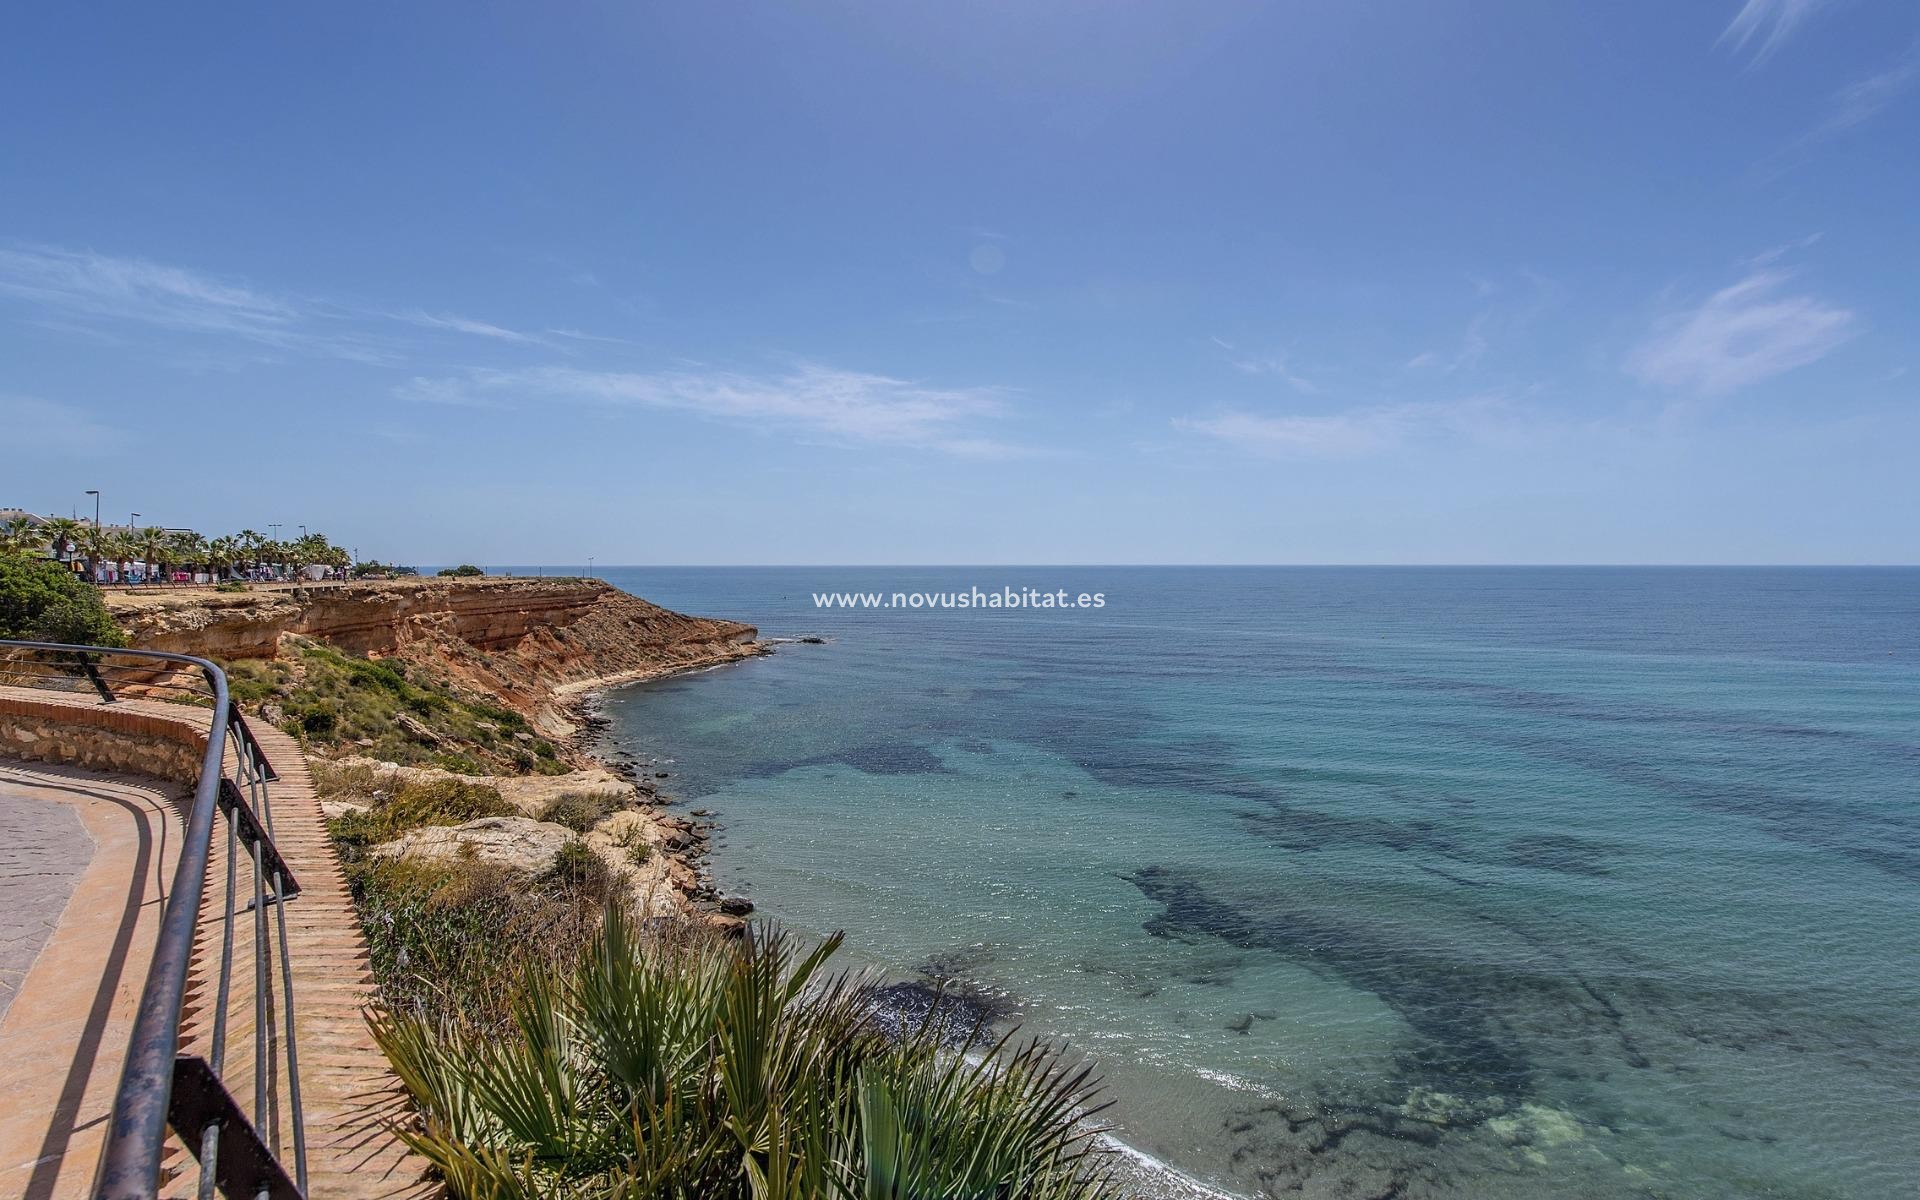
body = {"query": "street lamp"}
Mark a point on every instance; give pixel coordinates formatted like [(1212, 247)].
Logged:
[(303, 531), (95, 493), (276, 530), (589, 567)]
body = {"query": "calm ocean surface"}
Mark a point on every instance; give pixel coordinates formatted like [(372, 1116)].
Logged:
[(1369, 882)]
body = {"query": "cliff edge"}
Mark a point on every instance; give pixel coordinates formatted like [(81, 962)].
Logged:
[(530, 643)]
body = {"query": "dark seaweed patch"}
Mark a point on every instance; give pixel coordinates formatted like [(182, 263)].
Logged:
[(1559, 852), (1451, 1005), (873, 758), (1310, 829)]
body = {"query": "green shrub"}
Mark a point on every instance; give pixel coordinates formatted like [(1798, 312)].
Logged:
[(387, 710), (578, 811), (661, 1064), (231, 585), (639, 849), (580, 875), (452, 943), (410, 805), (463, 571), (43, 601)]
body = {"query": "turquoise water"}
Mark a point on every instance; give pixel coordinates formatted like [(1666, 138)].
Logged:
[(1369, 882)]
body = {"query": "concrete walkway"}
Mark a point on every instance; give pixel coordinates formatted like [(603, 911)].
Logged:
[(88, 856), (89, 869), (43, 852)]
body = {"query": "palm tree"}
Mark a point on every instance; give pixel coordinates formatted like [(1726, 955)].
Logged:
[(151, 545), (120, 547), (224, 554), (187, 549), (64, 535), (20, 536), (671, 1067), (252, 547), (98, 543)]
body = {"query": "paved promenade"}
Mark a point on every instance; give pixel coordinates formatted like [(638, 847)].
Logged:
[(84, 861), (43, 851)]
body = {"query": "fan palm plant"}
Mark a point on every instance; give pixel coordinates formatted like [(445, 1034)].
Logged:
[(151, 546), (186, 548), (20, 536), (699, 1068), (224, 554), (64, 535), (99, 544)]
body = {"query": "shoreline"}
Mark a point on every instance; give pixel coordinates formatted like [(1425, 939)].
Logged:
[(583, 703), (908, 992)]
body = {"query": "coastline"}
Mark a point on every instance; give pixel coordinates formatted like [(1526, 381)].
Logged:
[(583, 703), (907, 996)]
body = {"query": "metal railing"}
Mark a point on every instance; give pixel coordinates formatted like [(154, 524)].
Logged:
[(239, 1150)]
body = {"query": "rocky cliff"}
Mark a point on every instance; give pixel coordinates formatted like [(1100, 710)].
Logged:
[(530, 643)]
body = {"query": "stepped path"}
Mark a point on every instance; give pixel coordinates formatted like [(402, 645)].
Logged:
[(86, 858)]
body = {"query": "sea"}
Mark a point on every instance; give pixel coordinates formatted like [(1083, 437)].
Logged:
[(1363, 882)]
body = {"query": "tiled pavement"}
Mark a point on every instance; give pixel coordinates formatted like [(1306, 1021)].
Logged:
[(63, 1036), (62, 1040), (43, 851)]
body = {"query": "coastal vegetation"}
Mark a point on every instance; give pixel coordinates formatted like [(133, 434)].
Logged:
[(463, 571), (67, 539), (389, 710), (399, 805), (665, 1062), (556, 1043), (42, 602), (554, 1047)]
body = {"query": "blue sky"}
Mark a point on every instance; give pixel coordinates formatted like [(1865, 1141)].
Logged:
[(1025, 282)]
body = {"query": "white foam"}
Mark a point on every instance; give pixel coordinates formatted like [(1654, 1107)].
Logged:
[(1166, 1173)]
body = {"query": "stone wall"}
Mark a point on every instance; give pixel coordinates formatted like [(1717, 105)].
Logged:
[(102, 737)]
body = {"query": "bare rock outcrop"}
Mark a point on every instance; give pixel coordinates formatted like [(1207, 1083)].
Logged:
[(518, 842), (528, 642), (531, 794)]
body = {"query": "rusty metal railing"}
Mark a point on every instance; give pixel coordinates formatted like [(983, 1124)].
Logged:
[(239, 1149)]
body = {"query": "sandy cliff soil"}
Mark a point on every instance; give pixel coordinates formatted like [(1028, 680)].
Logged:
[(533, 644), (537, 646)]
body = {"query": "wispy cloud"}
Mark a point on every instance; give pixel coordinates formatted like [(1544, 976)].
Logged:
[(811, 400), (1765, 25), (134, 289), (84, 289), (1865, 98), (1351, 433), (1473, 344), (1278, 367), (578, 335), (459, 324), (1739, 336)]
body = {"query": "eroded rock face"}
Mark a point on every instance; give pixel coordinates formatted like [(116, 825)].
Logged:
[(528, 642), (659, 883), (529, 793), (518, 842)]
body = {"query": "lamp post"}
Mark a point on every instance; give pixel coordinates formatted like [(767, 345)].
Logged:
[(589, 566), (92, 567)]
